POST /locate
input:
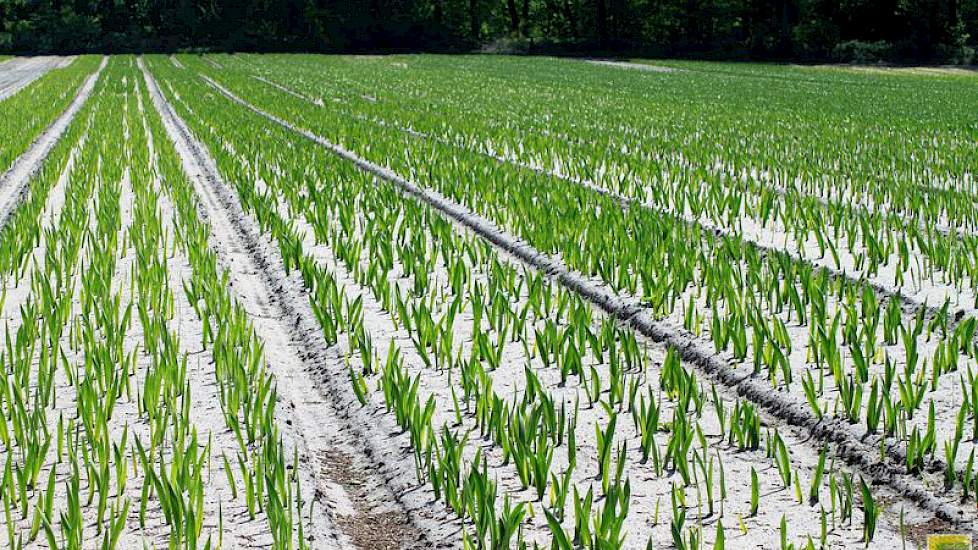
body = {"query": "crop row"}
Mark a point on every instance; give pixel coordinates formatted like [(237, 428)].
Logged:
[(107, 425), (691, 117), (785, 265), (26, 113), (830, 341), (842, 235), (834, 235), (422, 275), (729, 189)]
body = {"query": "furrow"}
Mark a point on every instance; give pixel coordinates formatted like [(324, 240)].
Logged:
[(910, 302), (17, 74), (13, 184), (327, 422), (856, 449)]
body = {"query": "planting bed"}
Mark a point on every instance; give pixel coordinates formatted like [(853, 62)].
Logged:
[(485, 302)]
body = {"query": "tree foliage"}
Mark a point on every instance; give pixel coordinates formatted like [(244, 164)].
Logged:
[(858, 30)]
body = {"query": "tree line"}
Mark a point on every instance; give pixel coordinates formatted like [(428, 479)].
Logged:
[(808, 30)]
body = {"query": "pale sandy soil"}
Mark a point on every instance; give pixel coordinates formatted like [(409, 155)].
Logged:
[(361, 504), (438, 386), (880, 69), (633, 66), (773, 237), (17, 73), (355, 464)]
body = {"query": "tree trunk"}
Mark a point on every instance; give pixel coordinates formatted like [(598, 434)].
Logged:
[(474, 22), (525, 27), (602, 20), (787, 19), (571, 17), (952, 18), (693, 33), (514, 18)]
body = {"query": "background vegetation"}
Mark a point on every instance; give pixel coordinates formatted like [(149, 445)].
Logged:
[(813, 30)]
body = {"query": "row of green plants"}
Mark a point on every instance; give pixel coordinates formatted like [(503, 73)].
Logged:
[(57, 362), (261, 470), (727, 284), (97, 408), (640, 130), (424, 274), (25, 114), (713, 204), (715, 189)]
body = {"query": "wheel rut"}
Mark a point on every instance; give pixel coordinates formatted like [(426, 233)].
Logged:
[(355, 496), (855, 448)]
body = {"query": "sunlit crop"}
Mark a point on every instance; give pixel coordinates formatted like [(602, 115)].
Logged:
[(559, 305)]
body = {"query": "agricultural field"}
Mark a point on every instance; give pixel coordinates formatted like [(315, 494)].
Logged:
[(379, 302)]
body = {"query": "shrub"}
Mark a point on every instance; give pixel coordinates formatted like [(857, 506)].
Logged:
[(508, 45), (858, 51)]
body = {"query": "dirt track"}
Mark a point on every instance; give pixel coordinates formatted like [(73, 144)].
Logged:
[(17, 73)]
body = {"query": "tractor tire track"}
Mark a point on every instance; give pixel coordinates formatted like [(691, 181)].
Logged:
[(857, 449), (347, 451)]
